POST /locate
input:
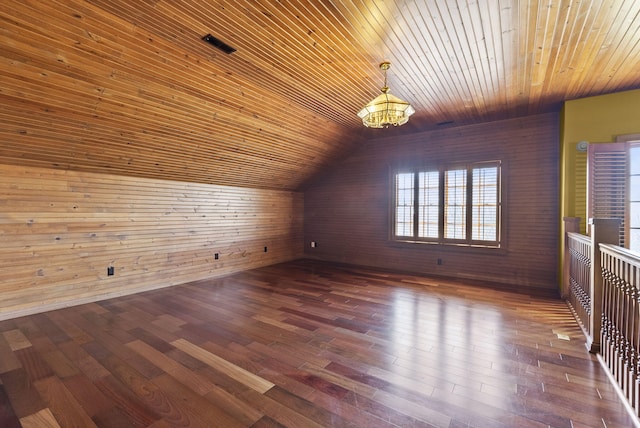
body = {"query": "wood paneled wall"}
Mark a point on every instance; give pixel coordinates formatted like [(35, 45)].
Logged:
[(347, 210), (60, 230)]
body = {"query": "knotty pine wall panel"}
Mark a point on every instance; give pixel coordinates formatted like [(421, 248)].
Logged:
[(347, 210), (60, 230)]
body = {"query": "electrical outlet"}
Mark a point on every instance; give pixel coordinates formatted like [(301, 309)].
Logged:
[(216, 256), (110, 271), (439, 261), (265, 249), (314, 244)]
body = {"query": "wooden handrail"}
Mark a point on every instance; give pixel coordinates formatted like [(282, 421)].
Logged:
[(624, 255), (571, 225), (582, 276), (603, 231), (580, 238), (602, 283), (578, 280), (621, 319)]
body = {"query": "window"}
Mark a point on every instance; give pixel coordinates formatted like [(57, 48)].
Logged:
[(459, 206), (634, 197), (613, 171), (404, 204)]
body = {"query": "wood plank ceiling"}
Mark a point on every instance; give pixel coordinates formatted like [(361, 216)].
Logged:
[(128, 87)]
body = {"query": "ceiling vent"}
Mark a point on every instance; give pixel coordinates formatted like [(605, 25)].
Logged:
[(219, 44)]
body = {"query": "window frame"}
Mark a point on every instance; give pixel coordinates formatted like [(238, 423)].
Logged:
[(417, 205), (610, 207)]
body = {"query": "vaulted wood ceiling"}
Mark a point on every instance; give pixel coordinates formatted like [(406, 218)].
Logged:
[(129, 87)]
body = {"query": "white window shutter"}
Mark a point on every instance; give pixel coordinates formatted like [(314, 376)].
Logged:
[(607, 185)]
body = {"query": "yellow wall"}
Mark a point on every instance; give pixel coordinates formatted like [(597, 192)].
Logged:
[(596, 120), (602, 118)]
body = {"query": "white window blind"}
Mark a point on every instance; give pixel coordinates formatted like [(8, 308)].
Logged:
[(459, 206), (607, 173), (429, 201), (633, 214), (485, 204), (455, 204), (404, 204)]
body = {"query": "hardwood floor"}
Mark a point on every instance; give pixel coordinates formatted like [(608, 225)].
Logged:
[(306, 344)]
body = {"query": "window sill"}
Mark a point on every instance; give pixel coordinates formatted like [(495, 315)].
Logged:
[(446, 246)]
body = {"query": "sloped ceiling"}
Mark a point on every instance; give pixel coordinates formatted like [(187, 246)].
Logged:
[(129, 87)]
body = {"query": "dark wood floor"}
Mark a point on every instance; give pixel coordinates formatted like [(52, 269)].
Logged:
[(306, 344)]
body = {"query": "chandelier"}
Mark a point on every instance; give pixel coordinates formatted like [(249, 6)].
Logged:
[(385, 109)]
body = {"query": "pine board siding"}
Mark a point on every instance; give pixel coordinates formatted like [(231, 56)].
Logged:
[(347, 210), (60, 230)]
